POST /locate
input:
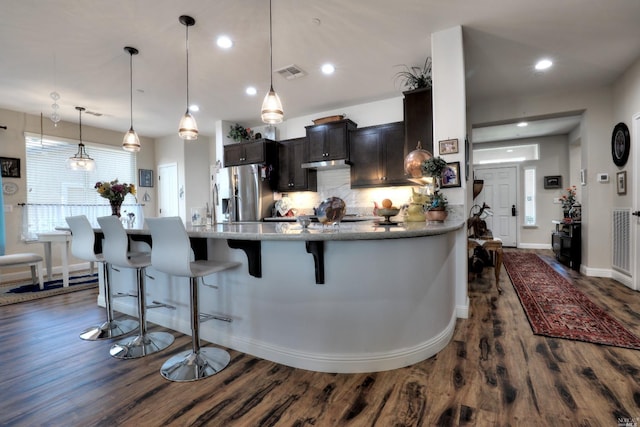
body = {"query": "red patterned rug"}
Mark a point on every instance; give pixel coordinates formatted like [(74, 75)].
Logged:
[(556, 308)]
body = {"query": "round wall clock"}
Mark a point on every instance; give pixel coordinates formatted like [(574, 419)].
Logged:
[(620, 144), (9, 188)]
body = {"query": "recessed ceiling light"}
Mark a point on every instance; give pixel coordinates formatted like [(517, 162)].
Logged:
[(328, 68), (224, 42), (543, 64), (509, 151), (251, 90), (522, 124), (194, 108)]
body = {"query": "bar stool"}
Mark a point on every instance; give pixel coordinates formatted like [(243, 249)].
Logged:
[(171, 254), (83, 246), (116, 252)]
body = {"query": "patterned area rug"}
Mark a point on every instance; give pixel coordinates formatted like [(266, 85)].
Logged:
[(12, 293), (556, 308)]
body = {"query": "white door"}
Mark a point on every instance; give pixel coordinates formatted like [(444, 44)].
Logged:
[(635, 223), (168, 190), (500, 194)]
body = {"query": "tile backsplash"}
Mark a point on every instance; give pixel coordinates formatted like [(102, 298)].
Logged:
[(336, 183)]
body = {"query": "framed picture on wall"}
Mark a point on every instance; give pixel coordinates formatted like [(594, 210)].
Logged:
[(448, 146), (10, 167), (554, 181), (145, 178), (451, 175), (621, 182)]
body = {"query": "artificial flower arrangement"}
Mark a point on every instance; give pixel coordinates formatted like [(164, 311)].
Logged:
[(115, 191), (568, 199), (238, 133)]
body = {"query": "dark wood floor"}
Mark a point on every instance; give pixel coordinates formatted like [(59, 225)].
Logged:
[(494, 372)]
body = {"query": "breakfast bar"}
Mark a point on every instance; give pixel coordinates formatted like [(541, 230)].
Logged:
[(357, 297)]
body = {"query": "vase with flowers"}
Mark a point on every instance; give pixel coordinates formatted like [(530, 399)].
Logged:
[(568, 200), (115, 192)]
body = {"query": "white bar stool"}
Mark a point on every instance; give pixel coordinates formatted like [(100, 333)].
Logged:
[(116, 252), (83, 246), (171, 254)]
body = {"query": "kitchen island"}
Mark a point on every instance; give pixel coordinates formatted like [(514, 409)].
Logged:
[(355, 298)]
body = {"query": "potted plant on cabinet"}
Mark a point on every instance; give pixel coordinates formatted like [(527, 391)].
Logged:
[(239, 133), (416, 77)]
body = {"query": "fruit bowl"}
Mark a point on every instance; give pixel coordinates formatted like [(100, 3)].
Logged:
[(387, 213)]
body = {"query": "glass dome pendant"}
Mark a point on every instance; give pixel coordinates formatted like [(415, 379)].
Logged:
[(81, 160), (131, 142), (272, 111), (188, 129)]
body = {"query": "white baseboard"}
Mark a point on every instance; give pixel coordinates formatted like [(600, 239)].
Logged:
[(534, 246)]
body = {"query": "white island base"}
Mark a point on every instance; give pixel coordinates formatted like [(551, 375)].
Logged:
[(385, 303)]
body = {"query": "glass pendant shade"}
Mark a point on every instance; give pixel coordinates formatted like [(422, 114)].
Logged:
[(81, 160), (272, 108), (188, 128), (131, 142)]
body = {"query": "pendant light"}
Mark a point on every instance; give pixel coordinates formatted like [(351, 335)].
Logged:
[(131, 142), (81, 160), (188, 128), (271, 106)]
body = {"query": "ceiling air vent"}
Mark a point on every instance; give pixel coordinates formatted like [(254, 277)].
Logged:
[(291, 72)]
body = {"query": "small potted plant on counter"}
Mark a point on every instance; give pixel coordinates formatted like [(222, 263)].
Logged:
[(437, 207)]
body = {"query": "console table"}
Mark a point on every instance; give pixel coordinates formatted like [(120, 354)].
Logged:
[(566, 242)]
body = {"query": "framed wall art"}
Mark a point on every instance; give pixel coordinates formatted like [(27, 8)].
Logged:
[(553, 181), (621, 182), (10, 167), (145, 178), (448, 146), (451, 175)]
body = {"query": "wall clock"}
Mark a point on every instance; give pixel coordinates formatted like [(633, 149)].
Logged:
[(9, 188), (620, 144)]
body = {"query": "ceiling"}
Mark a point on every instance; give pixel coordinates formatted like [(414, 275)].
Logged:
[(77, 49)]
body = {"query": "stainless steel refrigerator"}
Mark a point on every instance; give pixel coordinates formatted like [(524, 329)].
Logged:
[(245, 193)]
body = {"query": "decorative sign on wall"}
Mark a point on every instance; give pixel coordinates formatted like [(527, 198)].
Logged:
[(620, 144)]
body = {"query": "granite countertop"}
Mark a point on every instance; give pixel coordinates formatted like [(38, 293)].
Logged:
[(362, 230)]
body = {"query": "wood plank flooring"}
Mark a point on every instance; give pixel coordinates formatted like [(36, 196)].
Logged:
[(494, 372)]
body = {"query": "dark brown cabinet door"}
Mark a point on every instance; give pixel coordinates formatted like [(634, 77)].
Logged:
[(329, 141), (249, 153), (377, 156), (418, 119), (292, 177)]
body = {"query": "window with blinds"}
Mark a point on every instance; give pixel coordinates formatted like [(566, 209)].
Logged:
[(54, 192)]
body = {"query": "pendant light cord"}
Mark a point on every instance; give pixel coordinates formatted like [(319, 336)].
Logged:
[(131, 89), (187, 49), (270, 46)]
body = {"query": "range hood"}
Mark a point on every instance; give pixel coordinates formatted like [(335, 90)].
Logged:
[(327, 164)]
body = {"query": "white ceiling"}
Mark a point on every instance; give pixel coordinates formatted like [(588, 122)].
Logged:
[(76, 48)]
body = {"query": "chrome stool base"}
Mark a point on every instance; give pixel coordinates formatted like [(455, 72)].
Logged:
[(141, 345), (190, 366), (109, 330)]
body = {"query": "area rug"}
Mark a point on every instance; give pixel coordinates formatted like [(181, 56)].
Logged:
[(556, 308), (12, 293)]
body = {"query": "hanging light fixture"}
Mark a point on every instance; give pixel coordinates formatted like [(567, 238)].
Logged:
[(188, 128), (271, 106), (131, 142), (81, 160)]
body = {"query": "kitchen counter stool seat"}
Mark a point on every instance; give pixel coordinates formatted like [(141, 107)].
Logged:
[(116, 252), (83, 247), (171, 254)]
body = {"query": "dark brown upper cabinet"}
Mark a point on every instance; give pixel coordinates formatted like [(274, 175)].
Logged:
[(329, 141), (418, 119), (377, 156), (292, 154)]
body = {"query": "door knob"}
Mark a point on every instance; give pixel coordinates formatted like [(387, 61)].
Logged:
[(636, 213), (513, 210)]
